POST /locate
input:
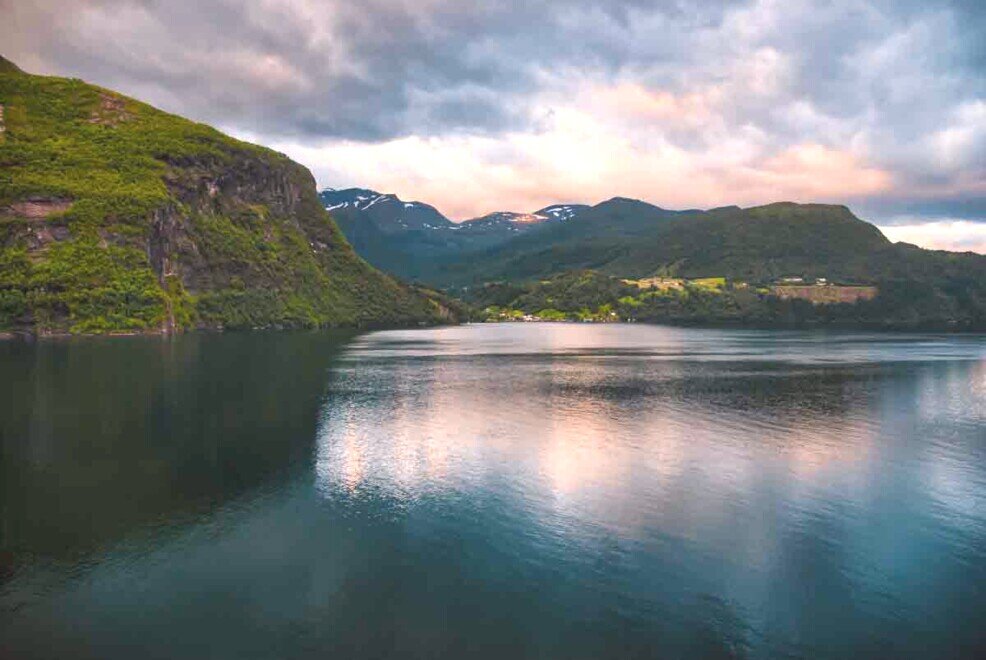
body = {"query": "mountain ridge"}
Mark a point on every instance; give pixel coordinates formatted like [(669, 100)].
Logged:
[(409, 238), (758, 246), (601, 234)]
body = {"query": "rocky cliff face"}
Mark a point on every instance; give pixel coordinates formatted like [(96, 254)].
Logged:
[(134, 220)]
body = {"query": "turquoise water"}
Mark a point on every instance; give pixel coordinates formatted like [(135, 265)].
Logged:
[(519, 490)]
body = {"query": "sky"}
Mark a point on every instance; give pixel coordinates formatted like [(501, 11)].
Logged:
[(476, 107)]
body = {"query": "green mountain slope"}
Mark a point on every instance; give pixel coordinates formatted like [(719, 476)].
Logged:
[(759, 244), (592, 239), (115, 216), (756, 246), (633, 239)]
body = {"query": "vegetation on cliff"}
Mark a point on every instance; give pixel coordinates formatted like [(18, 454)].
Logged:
[(115, 216)]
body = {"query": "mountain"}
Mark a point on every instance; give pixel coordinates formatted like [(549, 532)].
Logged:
[(412, 239), (591, 238), (635, 239), (627, 238), (760, 244), (757, 246), (118, 217), (387, 212), (630, 238)]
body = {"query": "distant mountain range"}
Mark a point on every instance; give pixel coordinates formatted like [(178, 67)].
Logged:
[(392, 215), (628, 238), (410, 239)]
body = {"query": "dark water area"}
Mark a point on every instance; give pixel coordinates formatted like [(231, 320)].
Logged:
[(490, 491)]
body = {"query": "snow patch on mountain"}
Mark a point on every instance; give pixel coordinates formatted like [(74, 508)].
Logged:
[(562, 211)]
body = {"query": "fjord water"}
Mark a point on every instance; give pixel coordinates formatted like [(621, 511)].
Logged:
[(533, 490)]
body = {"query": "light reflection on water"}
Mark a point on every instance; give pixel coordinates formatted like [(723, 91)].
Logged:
[(500, 490), (740, 447), (410, 416)]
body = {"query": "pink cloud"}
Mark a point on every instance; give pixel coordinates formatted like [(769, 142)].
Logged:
[(576, 165), (818, 172), (955, 235), (637, 102)]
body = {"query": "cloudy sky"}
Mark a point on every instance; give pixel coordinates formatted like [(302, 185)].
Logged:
[(515, 104)]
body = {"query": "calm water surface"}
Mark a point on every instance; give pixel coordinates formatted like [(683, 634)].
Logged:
[(550, 491)]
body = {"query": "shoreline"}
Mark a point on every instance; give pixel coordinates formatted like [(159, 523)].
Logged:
[(739, 325), (31, 337)]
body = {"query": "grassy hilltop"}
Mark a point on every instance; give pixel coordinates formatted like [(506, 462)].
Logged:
[(116, 216)]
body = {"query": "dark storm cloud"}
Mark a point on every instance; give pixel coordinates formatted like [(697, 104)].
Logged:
[(381, 68), (363, 70), (898, 83)]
